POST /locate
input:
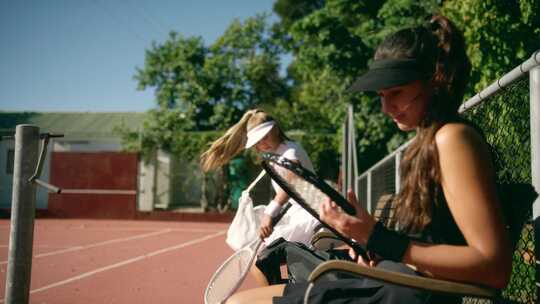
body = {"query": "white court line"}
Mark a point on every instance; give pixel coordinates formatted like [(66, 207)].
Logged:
[(132, 229), (146, 229), (132, 260), (126, 229), (194, 230), (41, 246), (141, 229), (76, 248)]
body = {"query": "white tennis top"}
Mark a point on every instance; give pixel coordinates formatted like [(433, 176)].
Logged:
[(293, 151), (297, 225)]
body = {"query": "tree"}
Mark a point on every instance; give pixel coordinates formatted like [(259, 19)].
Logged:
[(211, 86), (500, 34), (332, 45), (201, 87)]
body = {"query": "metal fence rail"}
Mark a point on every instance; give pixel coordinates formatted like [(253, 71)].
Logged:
[(509, 106)]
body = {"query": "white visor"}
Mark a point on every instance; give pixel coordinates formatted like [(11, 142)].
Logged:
[(256, 134)]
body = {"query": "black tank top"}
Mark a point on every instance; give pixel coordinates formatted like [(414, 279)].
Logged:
[(442, 229)]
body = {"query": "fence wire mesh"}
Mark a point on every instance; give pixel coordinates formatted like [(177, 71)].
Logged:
[(505, 120)]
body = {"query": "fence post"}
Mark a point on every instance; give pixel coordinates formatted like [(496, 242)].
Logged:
[(534, 87), (345, 157), (369, 205), (353, 157), (397, 172), (22, 215)]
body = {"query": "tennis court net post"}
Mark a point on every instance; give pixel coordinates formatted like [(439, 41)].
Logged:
[(22, 215)]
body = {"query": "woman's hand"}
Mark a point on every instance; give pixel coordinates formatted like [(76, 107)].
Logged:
[(372, 262), (358, 228), (266, 226)]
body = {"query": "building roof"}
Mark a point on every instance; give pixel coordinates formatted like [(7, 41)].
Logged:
[(74, 125)]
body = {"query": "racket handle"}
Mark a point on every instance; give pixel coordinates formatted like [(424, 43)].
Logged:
[(343, 203), (360, 251), (281, 213)]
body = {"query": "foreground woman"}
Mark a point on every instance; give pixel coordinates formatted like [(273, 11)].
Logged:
[(448, 195)]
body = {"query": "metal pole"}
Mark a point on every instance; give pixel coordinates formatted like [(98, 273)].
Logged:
[(350, 158), (344, 158), (369, 190), (22, 215), (354, 155), (534, 87), (502, 82), (397, 172)]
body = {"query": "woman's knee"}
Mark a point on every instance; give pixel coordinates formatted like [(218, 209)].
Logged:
[(256, 295), (235, 299)]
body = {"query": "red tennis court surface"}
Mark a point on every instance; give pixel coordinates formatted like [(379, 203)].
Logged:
[(110, 261)]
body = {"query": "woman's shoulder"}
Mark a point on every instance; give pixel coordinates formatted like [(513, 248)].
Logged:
[(458, 133), (287, 145), (294, 151)]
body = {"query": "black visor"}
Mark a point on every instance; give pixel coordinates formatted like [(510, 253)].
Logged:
[(387, 73)]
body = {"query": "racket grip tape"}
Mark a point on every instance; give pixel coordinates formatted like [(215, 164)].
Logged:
[(343, 203), (281, 213), (360, 251)]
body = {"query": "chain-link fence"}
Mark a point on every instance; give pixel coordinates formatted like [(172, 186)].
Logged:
[(505, 119)]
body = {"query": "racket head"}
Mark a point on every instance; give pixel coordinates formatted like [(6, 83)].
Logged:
[(301, 183), (230, 275), (308, 190)]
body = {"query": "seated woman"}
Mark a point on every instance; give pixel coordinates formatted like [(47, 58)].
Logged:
[(449, 214)]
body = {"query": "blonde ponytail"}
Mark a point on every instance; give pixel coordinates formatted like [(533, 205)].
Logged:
[(227, 146)]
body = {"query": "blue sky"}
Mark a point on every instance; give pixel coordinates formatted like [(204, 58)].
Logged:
[(81, 55)]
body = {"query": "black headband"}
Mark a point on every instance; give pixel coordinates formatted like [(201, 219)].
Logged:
[(387, 73), (394, 64)]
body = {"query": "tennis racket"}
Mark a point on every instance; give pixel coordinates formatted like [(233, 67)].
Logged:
[(230, 275), (309, 191)]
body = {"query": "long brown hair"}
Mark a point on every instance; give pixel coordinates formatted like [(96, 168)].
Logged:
[(223, 149), (440, 49)]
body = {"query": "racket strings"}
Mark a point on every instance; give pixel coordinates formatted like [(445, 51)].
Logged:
[(312, 195), (225, 279), (309, 199)]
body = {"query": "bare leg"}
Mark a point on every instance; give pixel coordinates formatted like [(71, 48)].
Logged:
[(258, 275), (262, 295)]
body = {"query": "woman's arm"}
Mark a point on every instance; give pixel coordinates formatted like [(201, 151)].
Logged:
[(271, 210), (469, 188)]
